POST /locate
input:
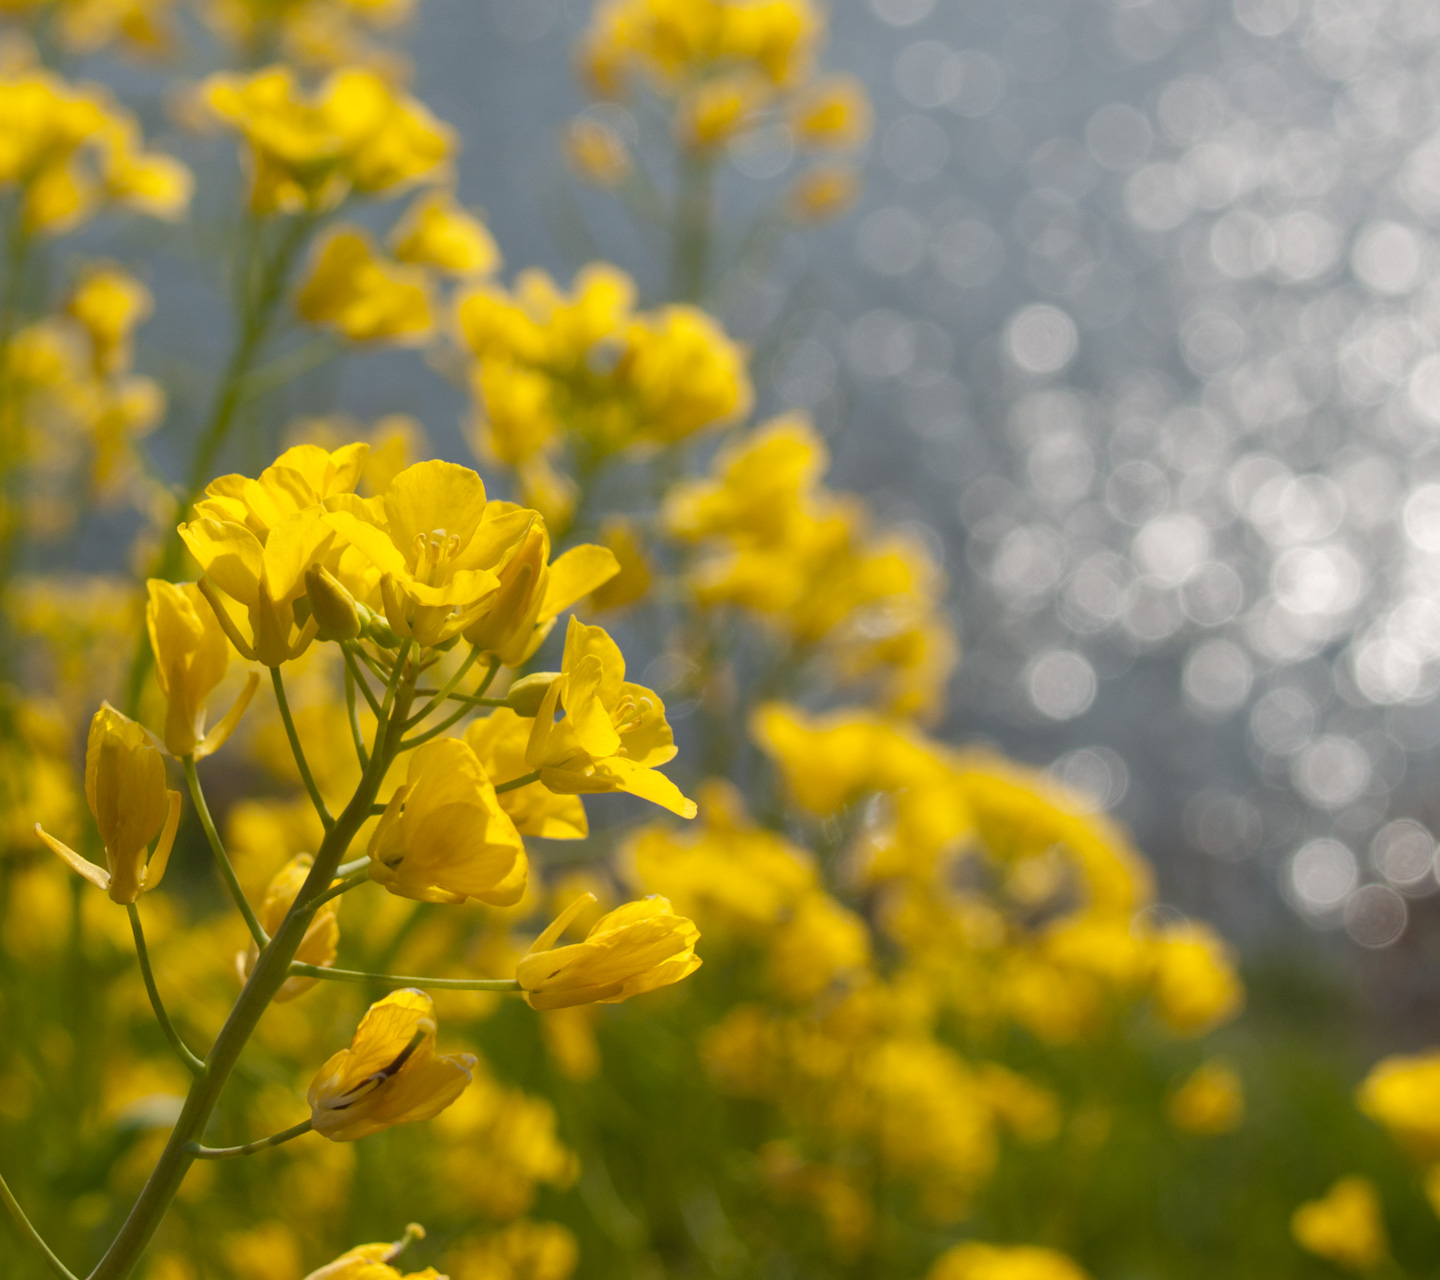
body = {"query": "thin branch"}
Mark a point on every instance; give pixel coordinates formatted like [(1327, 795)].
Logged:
[(353, 715), (298, 751), (222, 859), (395, 980), (250, 1148), (191, 1060), (349, 882), (351, 867), (516, 783), (448, 687), (364, 684), (35, 1238), (420, 739)]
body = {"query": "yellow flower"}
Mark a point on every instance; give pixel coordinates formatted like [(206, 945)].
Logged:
[(614, 734), (633, 579), (444, 837), (191, 658), (833, 111), (436, 542), (715, 111), (436, 232), (499, 741), (321, 940), (823, 193), (263, 579), (1403, 1094), (1211, 1101), (390, 1074), (597, 153), (125, 788), (821, 942), (1196, 987), (110, 303), (637, 948), (355, 133), (1344, 1226), (975, 1261), (145, 181), (372, 1262), (299, 478), (360, 295), (534, 592)]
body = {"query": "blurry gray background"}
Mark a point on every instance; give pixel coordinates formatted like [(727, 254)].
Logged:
[(1138, 322)]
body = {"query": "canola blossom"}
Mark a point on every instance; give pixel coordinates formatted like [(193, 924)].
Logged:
[(877, 1000)]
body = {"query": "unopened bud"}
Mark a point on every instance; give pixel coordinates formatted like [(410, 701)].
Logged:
[(374, 627), (332, 605), (527, 693)]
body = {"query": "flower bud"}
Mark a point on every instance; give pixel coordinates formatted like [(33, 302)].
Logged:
[(374, 627), (331, 604), (526, 694)]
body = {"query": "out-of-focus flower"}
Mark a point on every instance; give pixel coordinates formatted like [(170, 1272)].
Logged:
[(614, 734), (833, 111), (597, 153), (1344, 1226), (1403, 1094), (1196, 987), (321, 940), (974, 1261), (192, 656), (520, 1251), (67, 151), (821, 942), (633, 580), (437, 544), (534, 591), (444, 837), (360, 295), (1211, 1101), (822, 194), (436, 232), (390, 1074), (125, 788), (716, 111), (356, 133), (110, 304), (639, 947)]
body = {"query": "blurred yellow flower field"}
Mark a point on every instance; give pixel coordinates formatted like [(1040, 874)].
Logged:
[(546, 863)]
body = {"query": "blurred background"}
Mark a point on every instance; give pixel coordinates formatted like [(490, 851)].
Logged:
[(1136, 326)]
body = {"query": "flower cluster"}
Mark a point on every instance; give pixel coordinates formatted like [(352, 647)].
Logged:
[(772, 541), (724, 69), (587, 369)]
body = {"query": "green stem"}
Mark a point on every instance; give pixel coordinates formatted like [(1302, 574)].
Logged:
[(182, 1050), (28, 1231), (360, 680), (297, 750), (269, 974), (420, 739), (448, 687), (395, 980), (222, 859), (258, 315), (474, 700), (516, 783), (352, 713), (351, 881), (690, 231), (250, 1148)]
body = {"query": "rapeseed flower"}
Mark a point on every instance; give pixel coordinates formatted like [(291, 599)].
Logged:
[(364, 298), (444, 837), (125, 789), (192, 656), (372, 1262), (437, 544), (1344, 1226), (499, 740), (975, 1261), (1210, 1101), (639, 947), (301, 477), (437, 233), (390, 1074), (614, 734), (1402, 1093)]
